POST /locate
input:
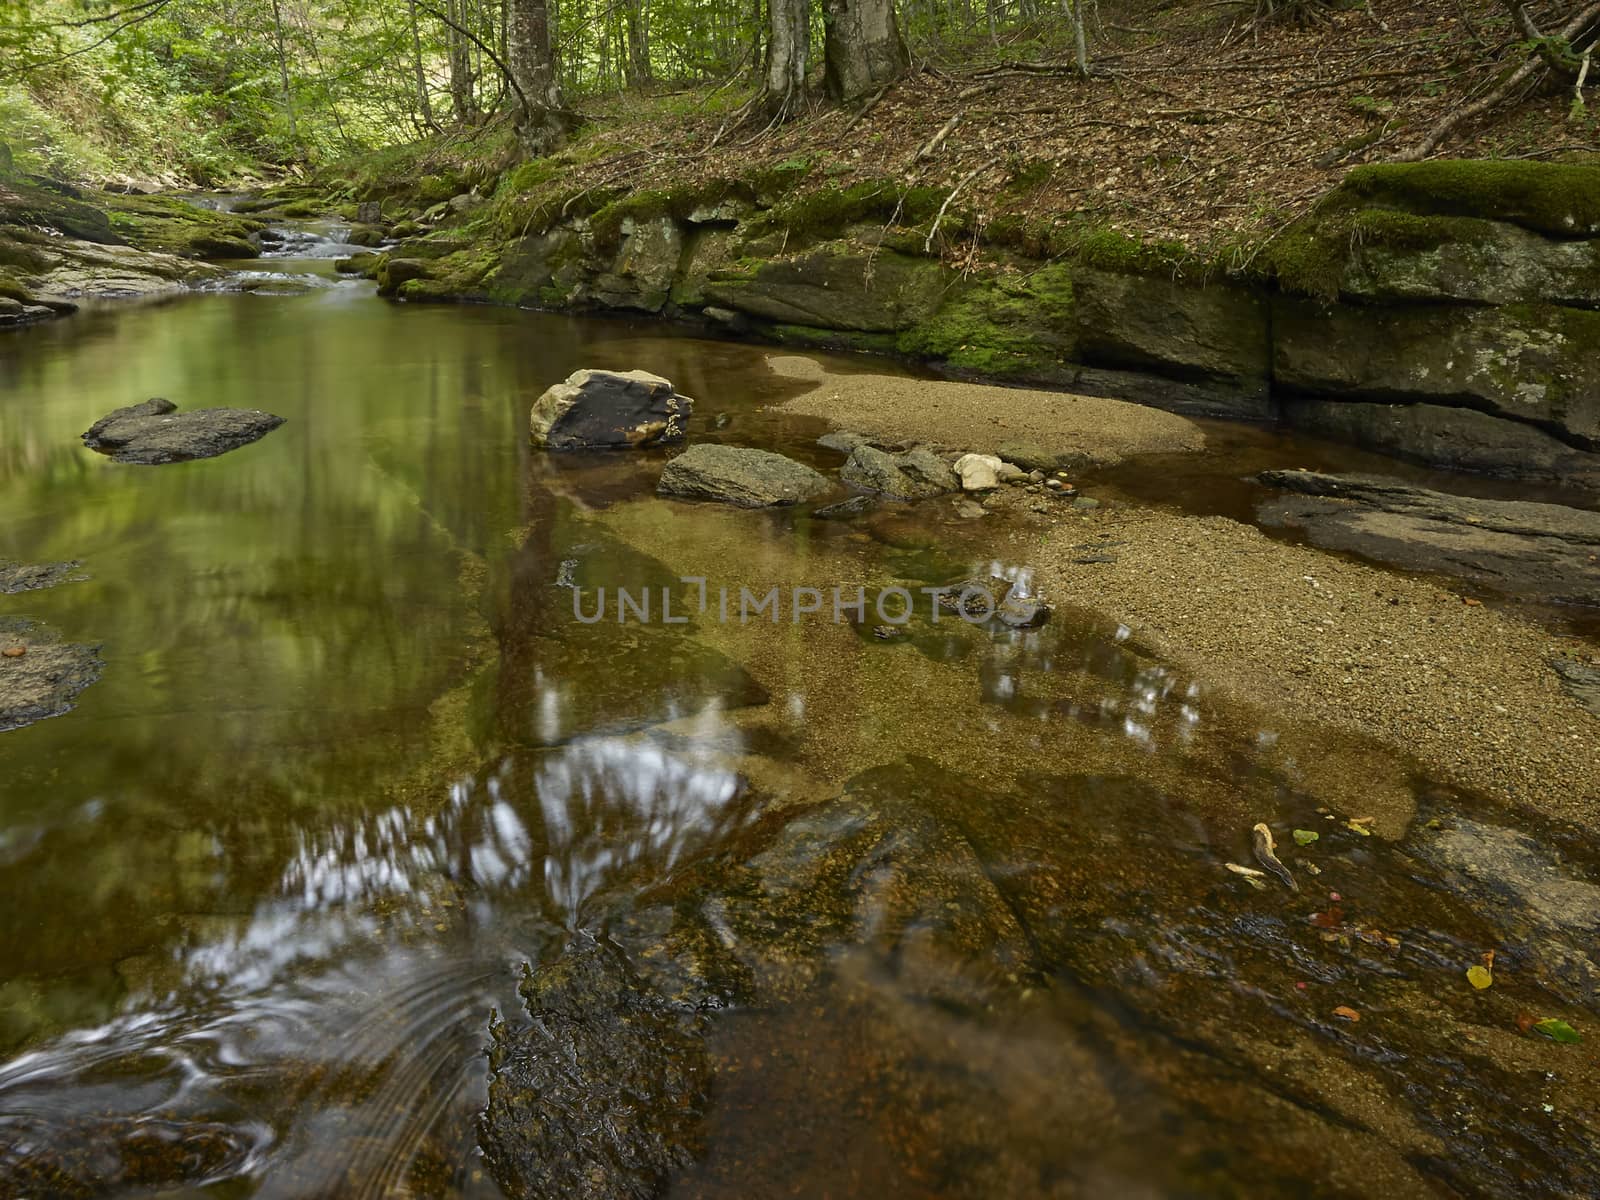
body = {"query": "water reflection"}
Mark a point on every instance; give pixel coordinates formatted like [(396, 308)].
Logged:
[(359, 991)]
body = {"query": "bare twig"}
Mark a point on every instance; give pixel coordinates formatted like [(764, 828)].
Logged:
[(927, 244)]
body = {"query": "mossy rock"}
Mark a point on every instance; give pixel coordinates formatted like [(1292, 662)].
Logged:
[(1012, 325), (365, 263), (841, 287), (365, 235), (1559, 200), (211, 245), (28, 204), (392, 273)]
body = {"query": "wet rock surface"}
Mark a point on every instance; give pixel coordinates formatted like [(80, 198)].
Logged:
[(601, 1092), (1535, 551), (910, 921), (26, 577), (740, 476), (1582, 681), (609, 410), (45, 678), (915, 475), (155, 432)]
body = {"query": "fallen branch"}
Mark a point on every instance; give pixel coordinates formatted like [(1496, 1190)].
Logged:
[(865, 109), (927, 244), (937, 140)]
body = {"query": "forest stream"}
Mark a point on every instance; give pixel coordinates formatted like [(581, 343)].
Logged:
[(815, 908)]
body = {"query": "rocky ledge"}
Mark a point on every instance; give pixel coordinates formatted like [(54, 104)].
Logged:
[(1545, 552)]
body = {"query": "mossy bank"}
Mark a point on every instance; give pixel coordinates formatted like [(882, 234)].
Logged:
[(1445, 312)]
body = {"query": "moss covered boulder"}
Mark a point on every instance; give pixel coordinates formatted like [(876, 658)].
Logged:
[(1473, 262)]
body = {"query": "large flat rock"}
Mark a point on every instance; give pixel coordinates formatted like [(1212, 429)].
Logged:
[(1534, 551), (154, 432)]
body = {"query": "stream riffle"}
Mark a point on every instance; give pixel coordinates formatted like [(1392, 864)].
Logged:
[(809, 911)]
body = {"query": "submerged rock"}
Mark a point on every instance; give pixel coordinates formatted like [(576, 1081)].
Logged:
[(45, 678), (1023, 612), (739, 475), (27, 577), (1535, 551), (609, 410), (845, 509), (1582, 682), (914, 475), (601, 1095), (154, 432)]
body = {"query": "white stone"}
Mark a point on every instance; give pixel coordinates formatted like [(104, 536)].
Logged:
[(978, 472)]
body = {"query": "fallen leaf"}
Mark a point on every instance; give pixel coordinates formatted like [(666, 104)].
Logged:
[(1304, 837), (14, 651), (1488, 959), (1331, 919), (1471, 603), (1358, 827), (1348, 1013), (1524, 1021), (1558, 1030), (1479, 977)]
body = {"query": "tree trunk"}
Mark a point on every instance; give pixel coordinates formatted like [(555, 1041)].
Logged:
[(788, 54), (538, 96), (283, 74), (423, 101), (638, 44), (863, 49), (461, 79)]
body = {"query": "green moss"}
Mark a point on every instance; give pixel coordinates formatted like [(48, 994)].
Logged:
[(1025, 175), (827, 210), (813, 338), (1311, 256), (10, 289), (1010, 326), (1557, 199), (172, 226)]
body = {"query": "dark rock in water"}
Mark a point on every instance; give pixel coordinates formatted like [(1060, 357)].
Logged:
[(1023, 612), (1535, 551), (914, 475), (845, 509), (1582, 682), (976, 599), (609, 410), (45, 679), (739, 475), (603, 1093), (27, 577), (155, 432)]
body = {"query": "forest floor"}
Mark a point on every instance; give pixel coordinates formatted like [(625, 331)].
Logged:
[(1203, 134)]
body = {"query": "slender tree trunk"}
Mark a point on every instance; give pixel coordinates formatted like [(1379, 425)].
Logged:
[(788, 54), (460, 52), (863, 49), (424, 104), (533, 70), (283, 73)]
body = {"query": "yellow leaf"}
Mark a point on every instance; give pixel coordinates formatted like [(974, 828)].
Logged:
[(1479, 977)]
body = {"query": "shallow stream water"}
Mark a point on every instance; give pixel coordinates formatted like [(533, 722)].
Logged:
[(353, 761)]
